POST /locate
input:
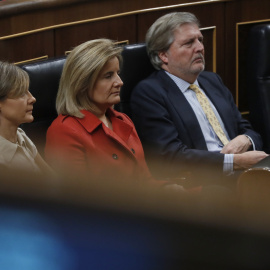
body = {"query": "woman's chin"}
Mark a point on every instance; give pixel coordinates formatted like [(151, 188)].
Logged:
[(29, 119), (116, 100)]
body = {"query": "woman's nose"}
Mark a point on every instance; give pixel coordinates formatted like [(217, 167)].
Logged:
[(31, 99), (118, 81)]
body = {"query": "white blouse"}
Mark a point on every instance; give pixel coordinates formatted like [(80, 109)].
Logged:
[(20, 155)]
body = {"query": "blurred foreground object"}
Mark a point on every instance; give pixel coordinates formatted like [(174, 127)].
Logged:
[(254, 186), (64, 224)]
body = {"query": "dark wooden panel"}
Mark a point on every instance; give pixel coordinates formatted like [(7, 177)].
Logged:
[(224, 15), (27, 47), (119, 29), (210, 43), (5, 28), (21, 14)]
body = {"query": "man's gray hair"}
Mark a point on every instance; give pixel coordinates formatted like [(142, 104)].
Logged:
[(160, 35)]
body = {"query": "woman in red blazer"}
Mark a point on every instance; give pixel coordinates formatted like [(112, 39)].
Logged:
[(88, 136)]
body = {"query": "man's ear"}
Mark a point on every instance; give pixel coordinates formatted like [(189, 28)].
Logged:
[(163, 56)]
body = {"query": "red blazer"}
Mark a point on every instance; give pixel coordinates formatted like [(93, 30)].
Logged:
[(88, 146)]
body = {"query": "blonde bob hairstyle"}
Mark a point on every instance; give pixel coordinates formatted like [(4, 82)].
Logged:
[(14, 81), (80, 73)]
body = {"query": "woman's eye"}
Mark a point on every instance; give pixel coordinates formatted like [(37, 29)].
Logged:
[(108, 75), (23, 95)]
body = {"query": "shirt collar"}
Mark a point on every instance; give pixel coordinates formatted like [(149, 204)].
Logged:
[(20, 139), (182, 85), (90, 122)]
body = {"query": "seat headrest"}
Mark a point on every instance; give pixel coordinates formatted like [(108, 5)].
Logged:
[(258, 81), (259, 50), (44, 82), (136, 67)]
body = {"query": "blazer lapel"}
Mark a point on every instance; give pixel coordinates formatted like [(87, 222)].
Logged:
[(91, 123)]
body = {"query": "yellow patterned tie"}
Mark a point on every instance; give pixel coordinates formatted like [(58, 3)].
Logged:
[(209, 113)]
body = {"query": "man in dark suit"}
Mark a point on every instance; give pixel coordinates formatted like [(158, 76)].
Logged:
[(186, 117)]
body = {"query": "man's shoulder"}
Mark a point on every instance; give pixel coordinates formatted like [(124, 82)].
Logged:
[(160, 76), (208, 75), (211, 77), (155, 81), (154, 76), (212, 80)]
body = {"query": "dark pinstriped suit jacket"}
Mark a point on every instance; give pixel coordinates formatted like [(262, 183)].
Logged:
[(169, 129)]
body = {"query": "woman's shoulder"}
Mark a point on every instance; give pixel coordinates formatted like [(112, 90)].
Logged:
[(63, 121), (65, 126), (22, 135), (24, 139), (122, 116)]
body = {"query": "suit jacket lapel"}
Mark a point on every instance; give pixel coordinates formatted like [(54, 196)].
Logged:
[(219, 102), (185, 112)]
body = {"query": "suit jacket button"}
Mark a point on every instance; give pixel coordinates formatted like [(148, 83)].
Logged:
[(132, 150), (115, 156)]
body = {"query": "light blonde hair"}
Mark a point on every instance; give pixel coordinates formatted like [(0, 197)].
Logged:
[(14, 81), (80, 73), (160, 35)]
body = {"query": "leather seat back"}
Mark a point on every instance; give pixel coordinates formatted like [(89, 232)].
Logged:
[(136, 67), (44, 81), (258, 81)]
